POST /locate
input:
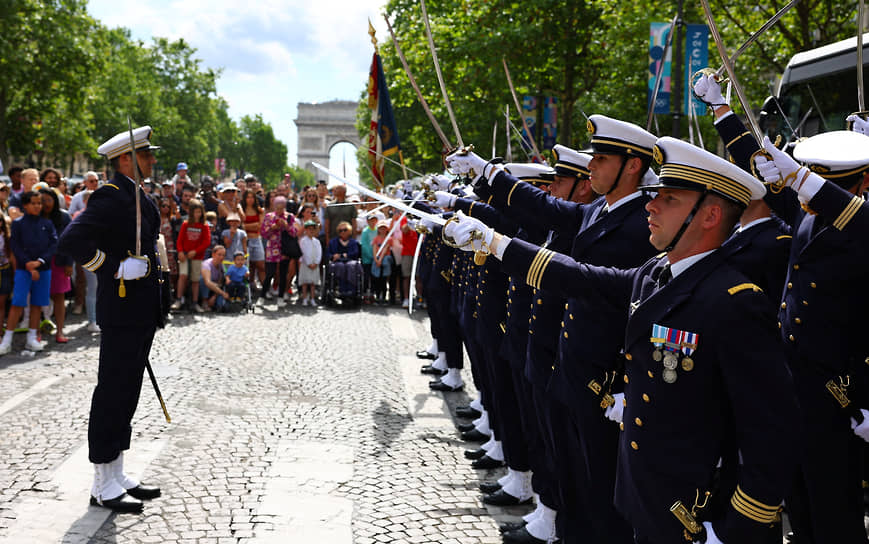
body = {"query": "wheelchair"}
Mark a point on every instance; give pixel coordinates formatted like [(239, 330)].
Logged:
[(336, 295)]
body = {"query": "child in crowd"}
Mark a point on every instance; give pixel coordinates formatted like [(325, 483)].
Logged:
[(234, 238), (312, 254), (34, 242), (216, 235), (365, 239), (193, 239), (7, 265), (236, 274), (381, 266)]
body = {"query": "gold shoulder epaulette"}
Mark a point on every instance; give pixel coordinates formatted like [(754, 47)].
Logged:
[(113, 186), (743, 286), (660, 255), (784, 237)]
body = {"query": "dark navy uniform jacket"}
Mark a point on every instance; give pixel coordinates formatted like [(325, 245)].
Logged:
[(589, 332), (102, 236), (822, 311), (675, 433), (546, 308), (761, 252)]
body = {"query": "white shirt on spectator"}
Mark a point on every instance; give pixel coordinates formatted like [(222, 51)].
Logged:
[(312, 252)]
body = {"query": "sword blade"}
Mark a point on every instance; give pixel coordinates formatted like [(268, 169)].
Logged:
[(422, 101), (519, 111), (434, 56), (740, 94), (753, 38), (397, 204), (412, 288), (136, 175), (861, 102), (659, 76)]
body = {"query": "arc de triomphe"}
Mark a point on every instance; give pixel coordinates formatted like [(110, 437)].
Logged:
[(321, 126)]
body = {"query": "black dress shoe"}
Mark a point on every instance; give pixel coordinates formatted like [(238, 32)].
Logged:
[(473, 455), (475, 436), (144, 492), (512, 526), (485, 463), (502, 498), (441, 386), (429, 369), (465, 427), (466, 412), (424, 354), (490, 487), (521, 536), (124, 503)]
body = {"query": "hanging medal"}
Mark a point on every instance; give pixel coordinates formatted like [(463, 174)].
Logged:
[(689, 344), (659, 336), (671, 349)]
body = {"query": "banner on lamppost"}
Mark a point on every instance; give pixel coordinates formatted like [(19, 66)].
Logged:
[(550, 122), (658, 34), (696, 58)]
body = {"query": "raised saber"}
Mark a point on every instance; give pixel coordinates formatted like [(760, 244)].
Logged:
[(519, 111), (419, 96), (397, 204), (434, 56), (728, 65), (861, 102), (412, 287), (659, 77), (753, 38)]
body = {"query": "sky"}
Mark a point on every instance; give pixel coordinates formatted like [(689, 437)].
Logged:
[(273, 53)]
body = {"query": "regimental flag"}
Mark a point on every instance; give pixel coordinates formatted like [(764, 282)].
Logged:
[(382, 135)]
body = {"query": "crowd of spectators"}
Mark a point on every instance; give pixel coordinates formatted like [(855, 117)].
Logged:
[(227, 243)]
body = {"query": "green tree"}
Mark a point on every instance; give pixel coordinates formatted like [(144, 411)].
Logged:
[(46, 58), (260, 152)]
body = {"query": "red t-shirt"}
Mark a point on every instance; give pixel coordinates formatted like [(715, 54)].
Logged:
[(194, 237), (408, 239)]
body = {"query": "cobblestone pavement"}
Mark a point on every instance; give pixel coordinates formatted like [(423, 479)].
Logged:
[(297, 425)]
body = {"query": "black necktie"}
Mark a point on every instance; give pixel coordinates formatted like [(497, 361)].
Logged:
[(665, 276), (602, 214)]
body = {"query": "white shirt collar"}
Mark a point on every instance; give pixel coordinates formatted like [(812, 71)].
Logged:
[(687, 262), (753, 223), (623, 200)]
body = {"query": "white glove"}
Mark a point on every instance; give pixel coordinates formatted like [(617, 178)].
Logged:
[(440, 182), (444, 199), (709, 91), (711, 537), (858, 124), (781, 167), (467, 163), (470, 234), (132, 269), (408, 187), (861, 430), (427, 224), (469, 193), (616, 412)]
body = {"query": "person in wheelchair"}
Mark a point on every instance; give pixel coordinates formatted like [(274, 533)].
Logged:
[(236, 274), (344, 253)]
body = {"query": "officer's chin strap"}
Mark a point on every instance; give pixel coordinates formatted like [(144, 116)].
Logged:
[(619, 175), (687, 222), (572, 189)]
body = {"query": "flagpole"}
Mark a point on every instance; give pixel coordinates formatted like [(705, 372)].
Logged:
[(403, 167)]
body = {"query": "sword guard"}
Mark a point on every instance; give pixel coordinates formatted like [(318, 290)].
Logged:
[(861, 114)]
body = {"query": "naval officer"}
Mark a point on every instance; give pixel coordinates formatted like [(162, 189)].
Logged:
[(103, 239)]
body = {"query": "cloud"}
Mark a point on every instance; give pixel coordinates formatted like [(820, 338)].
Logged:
[(274, 53)]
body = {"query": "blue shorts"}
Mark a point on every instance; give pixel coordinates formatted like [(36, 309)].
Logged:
[(38, 290)]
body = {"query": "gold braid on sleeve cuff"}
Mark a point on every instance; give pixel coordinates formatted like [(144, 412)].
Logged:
[(752, 508), (538, 267), (96, 262), (848, 213)]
